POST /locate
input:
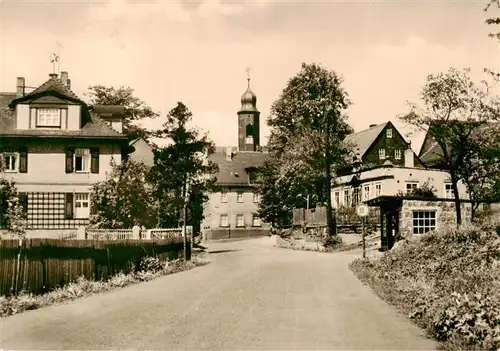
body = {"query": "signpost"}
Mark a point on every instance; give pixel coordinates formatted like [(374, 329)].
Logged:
[(362, 211)]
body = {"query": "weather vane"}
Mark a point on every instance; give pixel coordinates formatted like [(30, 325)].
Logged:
[(54, 59), (248, 75)]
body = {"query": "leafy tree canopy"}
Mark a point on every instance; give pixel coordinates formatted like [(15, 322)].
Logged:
[(308, 126), (135, 108)]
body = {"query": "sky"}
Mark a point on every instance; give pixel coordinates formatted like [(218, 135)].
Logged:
[(198, 52)]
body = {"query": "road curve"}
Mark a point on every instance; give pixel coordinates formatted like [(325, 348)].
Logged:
[(249, 297)]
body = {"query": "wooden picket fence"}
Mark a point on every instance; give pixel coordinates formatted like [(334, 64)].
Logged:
[(39, 265), (127, 234)]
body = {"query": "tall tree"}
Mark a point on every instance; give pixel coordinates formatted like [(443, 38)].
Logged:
[(310, 115), (181, 163), (461, 117), (135, 109)]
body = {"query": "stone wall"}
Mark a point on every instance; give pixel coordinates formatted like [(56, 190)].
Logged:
[(445, 214)]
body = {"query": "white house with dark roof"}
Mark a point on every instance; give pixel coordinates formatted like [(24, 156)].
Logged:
[(386, 166), (55, 148), (231, 210)]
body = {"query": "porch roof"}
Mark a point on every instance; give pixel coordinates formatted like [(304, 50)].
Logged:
[(397, 200)]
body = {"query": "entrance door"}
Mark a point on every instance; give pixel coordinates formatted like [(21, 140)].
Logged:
[(82, 205)]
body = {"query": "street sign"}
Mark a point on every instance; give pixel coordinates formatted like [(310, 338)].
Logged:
[(362, 210)]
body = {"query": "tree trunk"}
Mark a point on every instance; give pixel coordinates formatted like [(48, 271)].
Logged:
[(458, 205), (328, 163)]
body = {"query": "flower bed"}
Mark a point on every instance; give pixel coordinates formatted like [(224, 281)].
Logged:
[(150, 268), (448, 283)]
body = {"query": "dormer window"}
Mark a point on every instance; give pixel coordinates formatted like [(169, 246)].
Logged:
[(48, 117)]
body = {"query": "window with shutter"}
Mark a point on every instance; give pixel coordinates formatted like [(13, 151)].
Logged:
[(23, 160), (69, 160), (68, 208), (94, 161)]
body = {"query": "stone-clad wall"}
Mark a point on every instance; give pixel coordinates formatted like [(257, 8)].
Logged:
[(445, 214)]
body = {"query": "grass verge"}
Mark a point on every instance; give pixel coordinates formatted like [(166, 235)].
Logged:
[(448, 283), (150, 268)]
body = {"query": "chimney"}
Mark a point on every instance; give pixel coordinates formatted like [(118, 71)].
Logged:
[(64, 78), (372, 125), (53, 75), (409, 158), (21, 86), (229, 153), (68, 84)]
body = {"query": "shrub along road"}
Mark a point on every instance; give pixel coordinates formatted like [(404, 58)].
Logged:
[(249, 297)]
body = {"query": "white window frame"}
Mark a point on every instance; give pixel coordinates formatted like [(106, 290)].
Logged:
[(378, 189), (81, 199), (397, 154), (410, 185), (389, 133), (240, 220), (224, 220), (366, 192), (256, 198), (256, 222), (239, 197), (381, 154), (85, 155), (347, 197), (11, 155), (48, 118), (424, 221), (448, 193), (337, 199), (223, 196)]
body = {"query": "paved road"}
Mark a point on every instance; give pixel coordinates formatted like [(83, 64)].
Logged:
[(250, 297)]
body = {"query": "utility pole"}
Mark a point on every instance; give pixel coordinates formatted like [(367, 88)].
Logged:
[(184, 234)]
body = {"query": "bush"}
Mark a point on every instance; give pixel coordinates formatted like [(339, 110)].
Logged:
[(332, 242), (447, 282), (151, 264)]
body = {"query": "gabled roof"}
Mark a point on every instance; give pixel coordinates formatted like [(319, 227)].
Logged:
[(365, 139), (235, 172), (94, 128), (55, 86), (431, 153)]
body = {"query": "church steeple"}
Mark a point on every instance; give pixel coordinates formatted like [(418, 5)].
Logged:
[(248, 121), (248, 100)]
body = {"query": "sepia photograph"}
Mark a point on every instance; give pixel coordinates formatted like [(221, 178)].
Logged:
[(250, 175)]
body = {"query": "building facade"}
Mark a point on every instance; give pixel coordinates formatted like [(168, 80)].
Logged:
[(55, 148), (387, 166), (231, 210)]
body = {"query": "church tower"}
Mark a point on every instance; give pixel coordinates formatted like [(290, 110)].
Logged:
[(248, 122)]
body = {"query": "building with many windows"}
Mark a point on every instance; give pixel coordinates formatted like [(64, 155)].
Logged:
[(55, 148), (232, 209)]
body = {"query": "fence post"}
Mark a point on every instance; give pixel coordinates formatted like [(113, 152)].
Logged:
[(136, 232), (148, 234), (80, 234)]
